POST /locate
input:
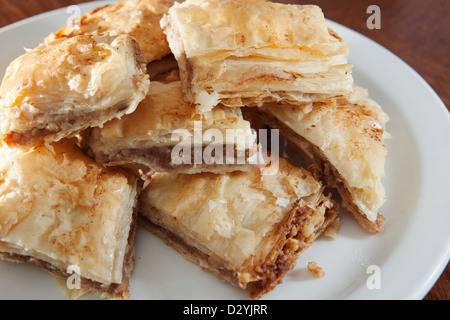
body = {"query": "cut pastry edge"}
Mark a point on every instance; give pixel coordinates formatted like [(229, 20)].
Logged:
[(258, 83), (207, 97), (39, 134), (171, 158)]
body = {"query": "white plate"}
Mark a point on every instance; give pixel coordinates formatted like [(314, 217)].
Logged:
[(410, 254)]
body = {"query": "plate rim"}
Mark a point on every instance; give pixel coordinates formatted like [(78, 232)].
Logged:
[(442, 259)]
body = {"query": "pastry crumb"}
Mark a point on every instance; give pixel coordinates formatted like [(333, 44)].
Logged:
[(315, 270)]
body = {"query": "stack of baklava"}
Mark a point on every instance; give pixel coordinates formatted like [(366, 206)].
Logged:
[(150, 113)]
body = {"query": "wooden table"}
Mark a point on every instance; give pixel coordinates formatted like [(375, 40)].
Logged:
[(415, 30)]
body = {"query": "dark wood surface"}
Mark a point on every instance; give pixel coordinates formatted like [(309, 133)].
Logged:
[(415, 30)]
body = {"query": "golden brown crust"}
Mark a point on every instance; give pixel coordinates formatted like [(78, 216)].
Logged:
[(59, 208), (67, 85), (138, 18)]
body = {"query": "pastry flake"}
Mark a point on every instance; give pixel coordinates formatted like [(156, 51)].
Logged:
[(245, 227), (70, 84), (166, 134), (60, 210), (345, 137), (247, 52)]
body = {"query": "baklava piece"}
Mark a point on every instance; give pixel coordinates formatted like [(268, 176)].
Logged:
[(62, 212), (345, 137), (166, 134), (247, 228), (68, 85), (246, 52)]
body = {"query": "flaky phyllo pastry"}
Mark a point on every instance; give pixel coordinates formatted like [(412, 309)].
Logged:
[(249, 52), (138, 18), (166, 134), (68, 85), (61, 211), (345, 136), (248, 228)]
